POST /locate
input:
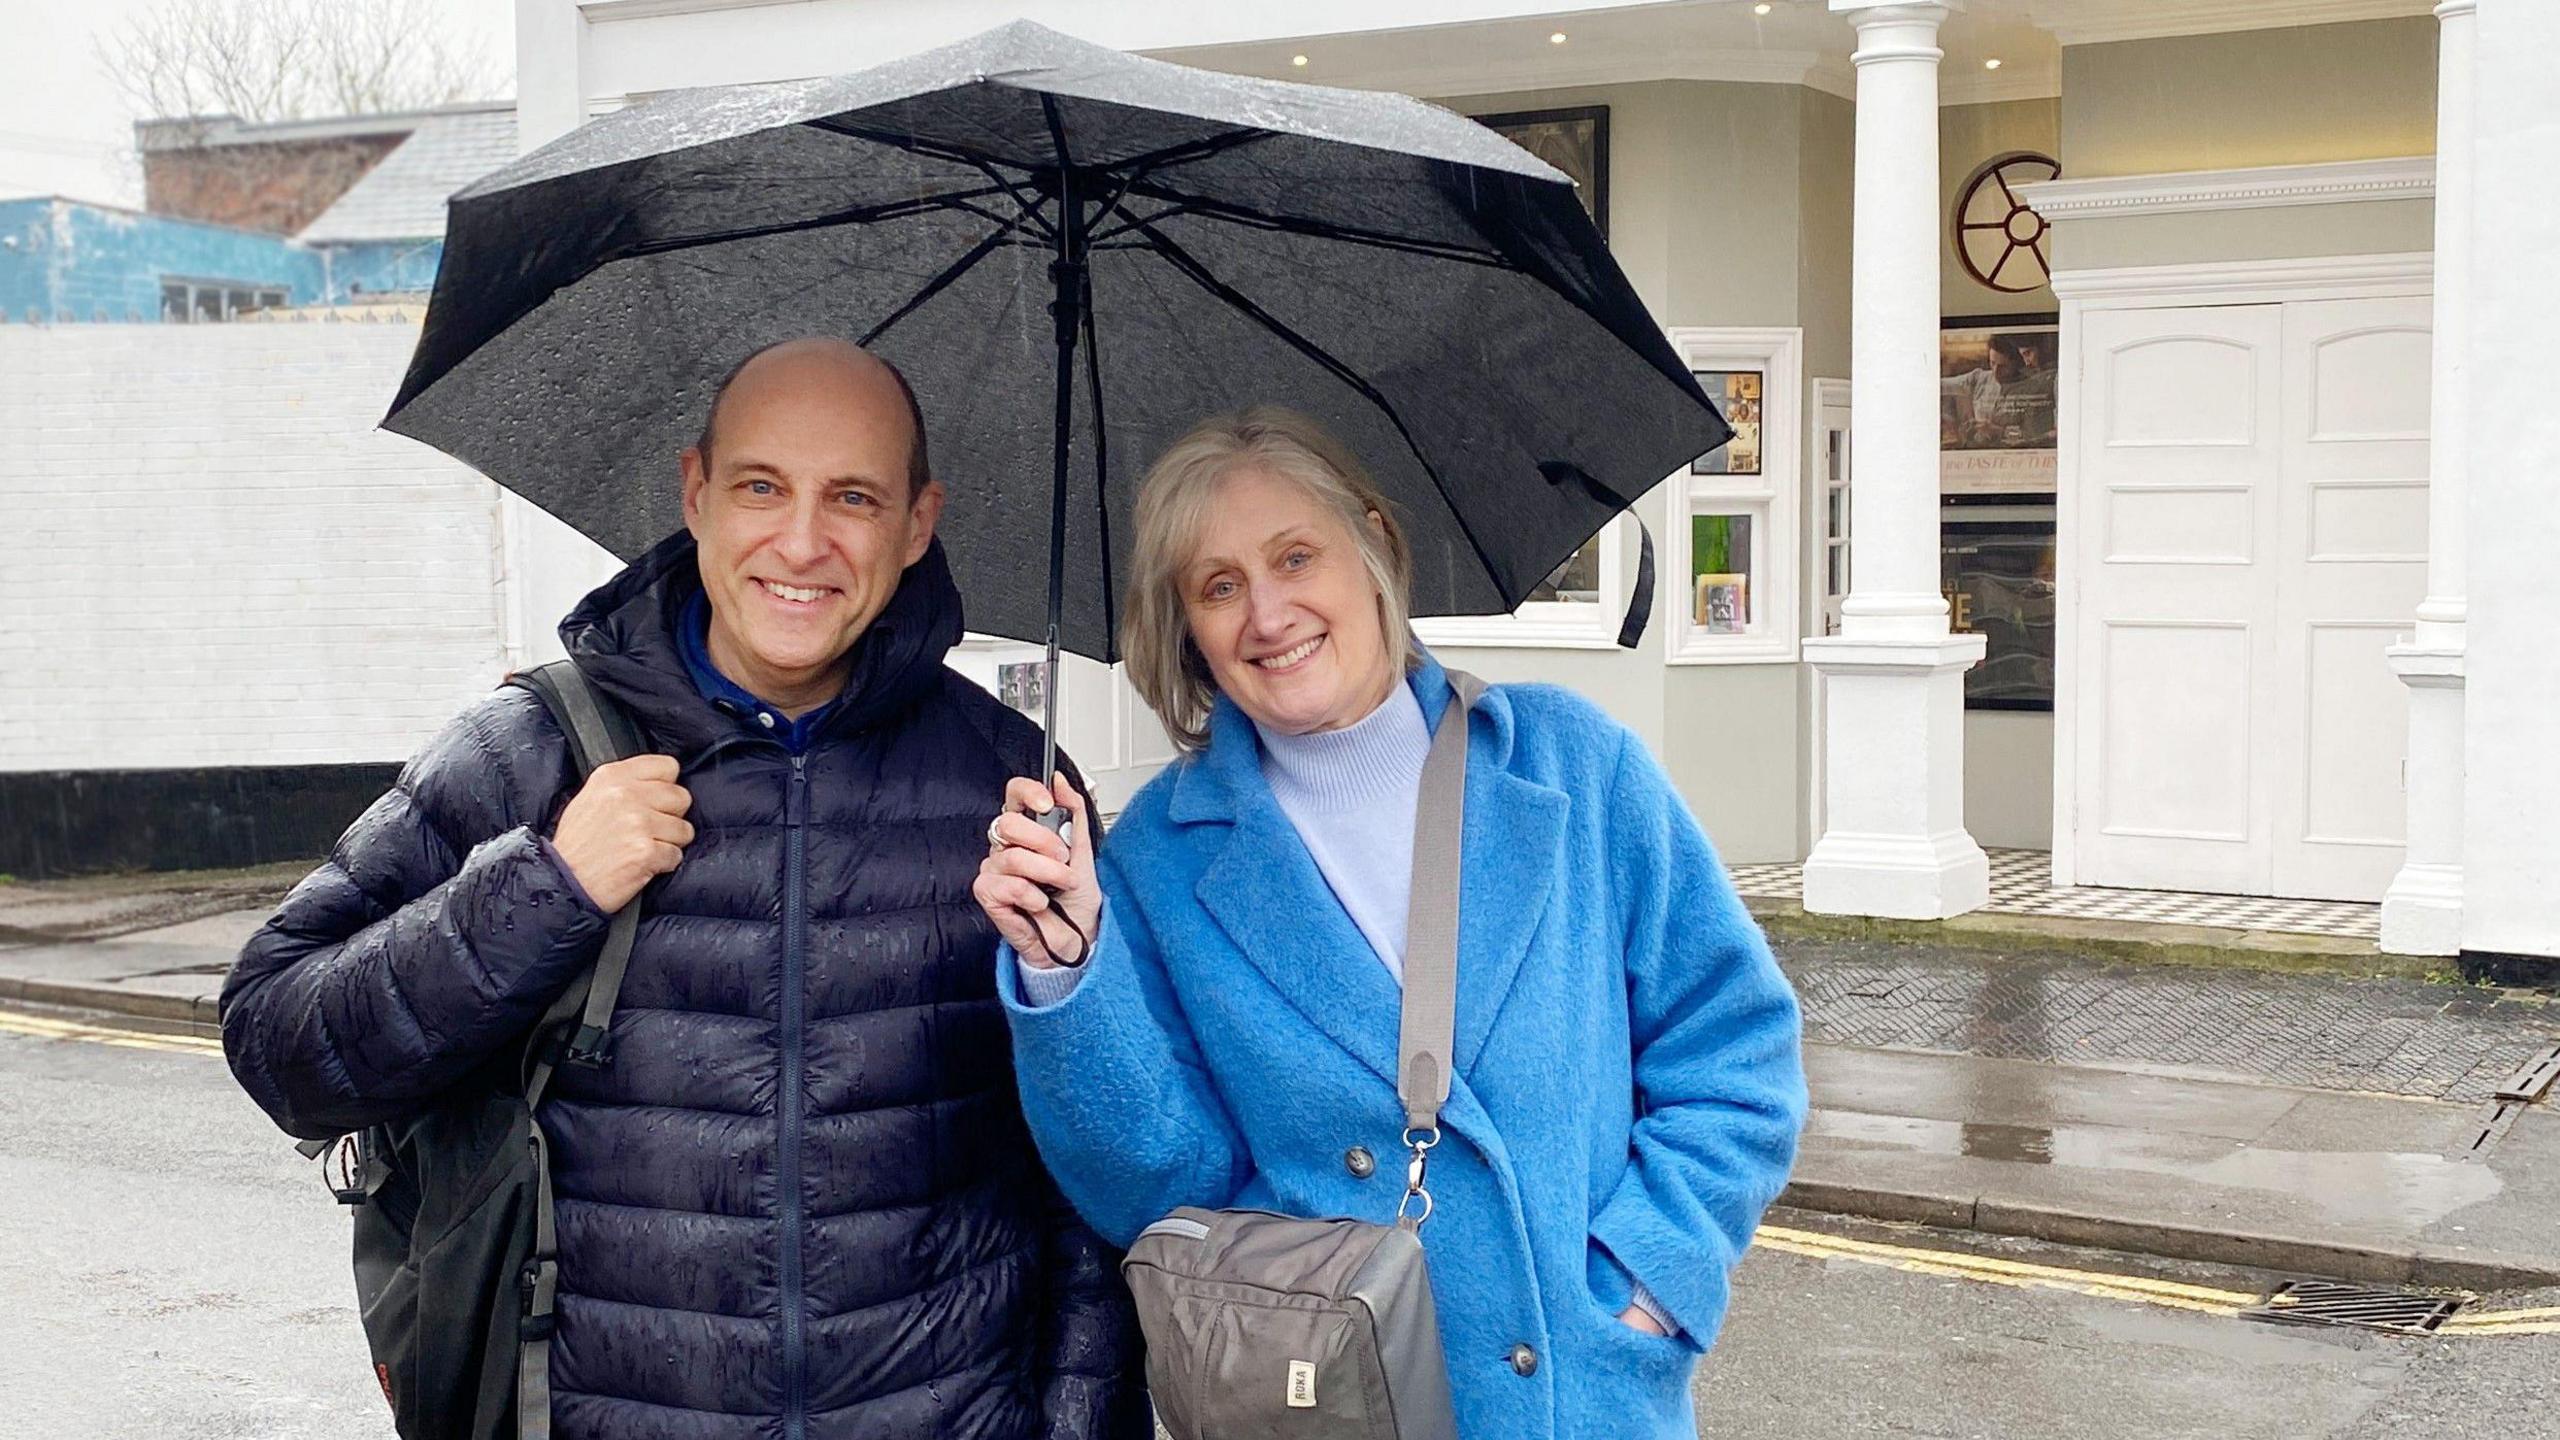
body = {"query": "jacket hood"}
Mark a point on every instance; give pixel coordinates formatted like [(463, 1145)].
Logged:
[(623, 636)]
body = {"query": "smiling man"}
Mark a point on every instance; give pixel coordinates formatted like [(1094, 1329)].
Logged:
[(801, 1200)]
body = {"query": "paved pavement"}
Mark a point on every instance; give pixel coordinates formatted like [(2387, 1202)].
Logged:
[(2331, 1124), (2329, 1183), (100, 907), (170, 1270), (2377, 1033)]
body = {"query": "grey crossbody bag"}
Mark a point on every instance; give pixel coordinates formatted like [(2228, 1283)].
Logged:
[(1269, 1327)]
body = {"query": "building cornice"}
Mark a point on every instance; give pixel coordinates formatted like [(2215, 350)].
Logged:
[(2310, 277), (1829, 74), (2096, 22), (604, 10), (2410, 177)]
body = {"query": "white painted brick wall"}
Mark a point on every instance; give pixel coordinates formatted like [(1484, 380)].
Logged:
[(210, 555)]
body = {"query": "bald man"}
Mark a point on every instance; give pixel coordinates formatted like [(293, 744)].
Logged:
[(800, 1202)]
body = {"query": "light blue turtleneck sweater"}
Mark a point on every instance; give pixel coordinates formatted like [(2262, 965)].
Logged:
[(1351, 794)]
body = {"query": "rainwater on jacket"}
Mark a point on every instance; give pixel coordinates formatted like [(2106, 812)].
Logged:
[(801, 1201)]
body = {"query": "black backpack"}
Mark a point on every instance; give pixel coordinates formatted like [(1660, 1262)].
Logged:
[(455, 1255)]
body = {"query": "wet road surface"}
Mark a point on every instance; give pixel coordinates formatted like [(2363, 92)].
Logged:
[(170, 1269)]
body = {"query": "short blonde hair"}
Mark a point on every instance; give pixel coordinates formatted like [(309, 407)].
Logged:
[(1173, 500)]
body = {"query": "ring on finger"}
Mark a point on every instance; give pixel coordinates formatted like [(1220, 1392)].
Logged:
[(995, 835)]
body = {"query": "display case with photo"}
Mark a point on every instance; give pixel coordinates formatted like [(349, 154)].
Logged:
[(1732, 536), (1024, 685), (1574, 140), (1738, 398), (1997, 381), (1579, 605), (1996, 565)]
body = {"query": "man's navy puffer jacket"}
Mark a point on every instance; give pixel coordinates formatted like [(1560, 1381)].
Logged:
[(801, 1200)]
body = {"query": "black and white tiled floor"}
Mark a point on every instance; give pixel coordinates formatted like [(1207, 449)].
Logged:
[(2022, 884)]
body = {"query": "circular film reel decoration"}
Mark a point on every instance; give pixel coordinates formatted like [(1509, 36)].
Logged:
[(1998, 239)]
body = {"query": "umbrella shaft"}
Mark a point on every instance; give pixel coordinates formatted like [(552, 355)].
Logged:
[(1067, 273)]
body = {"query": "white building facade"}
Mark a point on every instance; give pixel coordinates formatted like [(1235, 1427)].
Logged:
[(2150, 458), (2260, 647)]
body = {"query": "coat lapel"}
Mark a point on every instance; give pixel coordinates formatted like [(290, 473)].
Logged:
[(1508, 858), (1514, 830), (1265, 892)]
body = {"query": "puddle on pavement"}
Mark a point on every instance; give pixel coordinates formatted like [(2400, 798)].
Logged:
[(2393, 1186), (2019, 1144)]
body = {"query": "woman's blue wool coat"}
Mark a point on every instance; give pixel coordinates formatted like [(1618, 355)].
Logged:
[(1235, 1039)]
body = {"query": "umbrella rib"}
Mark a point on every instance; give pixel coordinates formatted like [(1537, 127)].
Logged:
[(1141, 166), (1183, 261), (1030, 208), (941, 282), (1179, 204), (931, 151), (860, 215), (913, 145)]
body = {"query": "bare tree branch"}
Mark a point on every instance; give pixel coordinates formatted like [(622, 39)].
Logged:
[(264, 60)]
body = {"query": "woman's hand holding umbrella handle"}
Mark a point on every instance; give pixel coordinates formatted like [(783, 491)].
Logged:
[(1038, 884)]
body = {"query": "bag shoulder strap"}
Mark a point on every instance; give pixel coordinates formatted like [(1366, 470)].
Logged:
[(1431, 918), (599, 733)]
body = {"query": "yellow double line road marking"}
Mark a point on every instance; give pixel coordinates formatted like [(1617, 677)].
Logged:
[(2542, 1320), (45, 1027), (2132, 1289), (1959, 1265)]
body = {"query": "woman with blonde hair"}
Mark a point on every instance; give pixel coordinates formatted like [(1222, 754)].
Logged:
[(1206, 1012)]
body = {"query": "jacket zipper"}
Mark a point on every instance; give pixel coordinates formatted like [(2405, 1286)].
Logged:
[(795, 922)]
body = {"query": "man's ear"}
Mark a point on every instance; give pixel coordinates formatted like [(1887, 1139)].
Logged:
[(1378, 522), (925, 513), (697, 478)]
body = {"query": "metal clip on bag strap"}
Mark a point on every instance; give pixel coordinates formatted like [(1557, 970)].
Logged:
[(599, 733), (1431, 938)]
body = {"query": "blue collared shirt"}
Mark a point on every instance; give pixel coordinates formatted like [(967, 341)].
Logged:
[(693, 644)]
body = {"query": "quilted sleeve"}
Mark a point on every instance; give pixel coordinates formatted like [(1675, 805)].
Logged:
[(435, 935)]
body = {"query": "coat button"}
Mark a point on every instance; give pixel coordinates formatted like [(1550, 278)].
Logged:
[(1524, 1361), (1360, 1162)]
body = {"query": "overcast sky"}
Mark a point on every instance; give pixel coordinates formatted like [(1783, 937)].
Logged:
[(65, 131)]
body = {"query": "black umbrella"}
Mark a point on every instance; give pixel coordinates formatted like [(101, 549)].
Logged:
[(977, 214)]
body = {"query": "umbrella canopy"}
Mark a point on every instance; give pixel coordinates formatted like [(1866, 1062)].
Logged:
[(1199, 241)]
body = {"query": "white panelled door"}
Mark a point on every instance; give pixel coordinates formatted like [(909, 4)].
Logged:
[(2356, 385), (2251, 535)]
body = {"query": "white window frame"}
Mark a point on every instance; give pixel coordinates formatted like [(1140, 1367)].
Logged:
[(1774, 499), (1822, 606), (1548, 624)]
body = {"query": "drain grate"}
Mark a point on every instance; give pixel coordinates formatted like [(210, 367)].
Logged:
[(2534, 1078), (2323, 1302)]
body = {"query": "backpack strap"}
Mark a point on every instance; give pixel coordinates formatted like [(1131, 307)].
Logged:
[(599, 734)]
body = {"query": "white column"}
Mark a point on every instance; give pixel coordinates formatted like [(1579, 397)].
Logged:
[(2422, 911), (1894, 841), (2511, 750), (545, 567)]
